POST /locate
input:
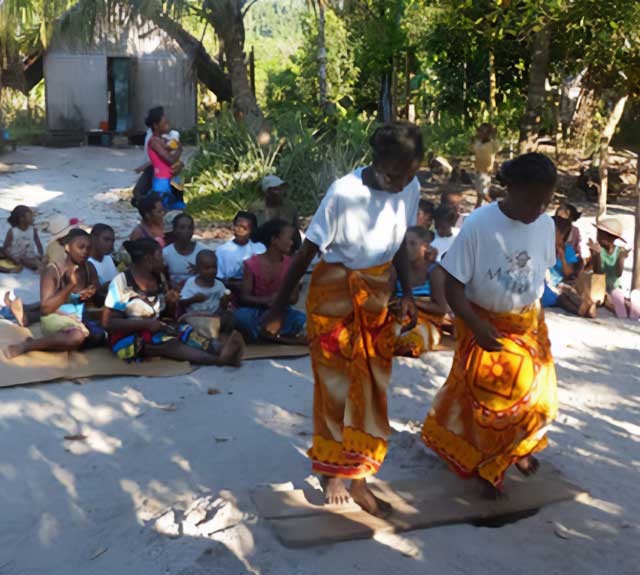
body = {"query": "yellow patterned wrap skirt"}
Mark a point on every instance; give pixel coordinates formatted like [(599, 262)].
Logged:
[(495, 407), (351, 339), (424, 337)]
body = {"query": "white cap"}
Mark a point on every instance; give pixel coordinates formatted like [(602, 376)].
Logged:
[(271, 181)]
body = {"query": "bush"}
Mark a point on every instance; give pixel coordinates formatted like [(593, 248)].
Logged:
[(224, 175)]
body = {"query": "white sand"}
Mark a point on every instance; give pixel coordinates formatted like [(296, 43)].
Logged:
[(88, 507)]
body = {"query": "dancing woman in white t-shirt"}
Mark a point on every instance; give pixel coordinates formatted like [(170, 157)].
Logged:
[(359, 229), (500, 396)]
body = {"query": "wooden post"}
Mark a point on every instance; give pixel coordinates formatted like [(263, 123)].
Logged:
[(252, 70), (493, 85), (635, 282), (407, 86), (322, 58)]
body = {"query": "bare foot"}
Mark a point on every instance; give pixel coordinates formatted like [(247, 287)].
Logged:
[(335, 491), (490, 491), (16, 308), (233, 350), (528, 465), (16, 349), (588, 309), (363, 496)]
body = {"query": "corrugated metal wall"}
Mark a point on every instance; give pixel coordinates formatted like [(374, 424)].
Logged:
[(76, 79)]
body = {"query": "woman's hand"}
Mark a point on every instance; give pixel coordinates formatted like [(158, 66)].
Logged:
[(172, 297), (87, 293), (487, 336), (273, 320), (408, 309)]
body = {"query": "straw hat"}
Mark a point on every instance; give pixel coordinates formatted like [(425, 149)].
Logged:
[(612, 226), (60, 225)]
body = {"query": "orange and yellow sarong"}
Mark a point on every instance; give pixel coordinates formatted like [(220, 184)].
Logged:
[(424, 337), (351, 339), (495, 407)]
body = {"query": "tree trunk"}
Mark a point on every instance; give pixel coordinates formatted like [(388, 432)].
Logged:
[(209, 72), (605, 139), (635, 281), (322, 58), (582, 124), (493, 85), (536, 93), (227, 20)]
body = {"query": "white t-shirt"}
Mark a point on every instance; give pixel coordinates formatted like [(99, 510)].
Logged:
[(106, 269), (361, 227), (443, 244), (231, 257), (501, 261), (214, 295), (180, 267)]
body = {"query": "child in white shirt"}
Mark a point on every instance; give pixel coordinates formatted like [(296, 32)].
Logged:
[(204, 293), (180, 256), (445, 232)]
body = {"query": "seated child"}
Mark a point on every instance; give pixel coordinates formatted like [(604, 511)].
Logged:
[(263, 276), (137, 303), (608, 258), (557, 290), (180, 256), (22, 244), (59, 226), (426, 210), (444, 220), (102, 240), (426, 335), (64, 290), (232, 254), (570, 212)]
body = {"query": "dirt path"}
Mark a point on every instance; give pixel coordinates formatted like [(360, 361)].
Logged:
[(88, 506)]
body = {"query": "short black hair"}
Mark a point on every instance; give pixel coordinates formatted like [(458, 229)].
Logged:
[(98, 229), (140, 248), (154, 116), (397, 142), (447, 193), (532, 171), (204, 254), (445, 213), (181, 215), (250, 216), (426, 206), (73, 234), (272, 229), (574, 214), (420, 231), (147, 204), (16, 214)]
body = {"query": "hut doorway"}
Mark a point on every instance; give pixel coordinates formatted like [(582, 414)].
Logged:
[(119, 93)]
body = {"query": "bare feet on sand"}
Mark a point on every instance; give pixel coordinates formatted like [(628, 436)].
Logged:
[(16, 349), (335, 491), (528, 465), (233, 350), (490, 491), (363, 496), (16, 308)]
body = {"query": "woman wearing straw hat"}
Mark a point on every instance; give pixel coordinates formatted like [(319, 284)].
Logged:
[(608, 258), (59, 226)]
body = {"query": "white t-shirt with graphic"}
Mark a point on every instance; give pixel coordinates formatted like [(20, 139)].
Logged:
[(501, 261), (362, 227), (231, 257), (106, 269), (214, 295), (181, 267)]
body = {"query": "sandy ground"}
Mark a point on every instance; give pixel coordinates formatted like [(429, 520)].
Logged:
[(89, 507)]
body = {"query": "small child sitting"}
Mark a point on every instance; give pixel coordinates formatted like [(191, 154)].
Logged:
[(571, 213), (557, 290), (22, 244), (204, 293), (431, 310), (608, 258), (444, 221), (263, 276), (426, 210)]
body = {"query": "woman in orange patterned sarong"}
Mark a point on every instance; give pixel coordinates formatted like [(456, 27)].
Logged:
[(500, 396), (359, 229)]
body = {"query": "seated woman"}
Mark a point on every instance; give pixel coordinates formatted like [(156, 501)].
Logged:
[(263, 276), (557, 289), (152, 224), (137, 300), (64, 290), (425, 336), (165, 159)]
